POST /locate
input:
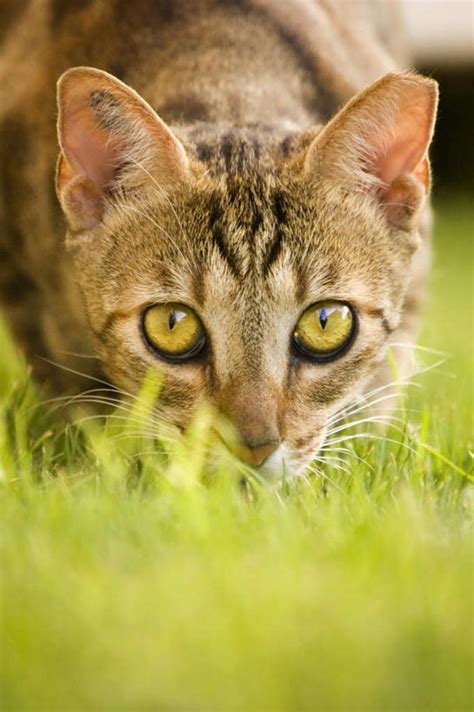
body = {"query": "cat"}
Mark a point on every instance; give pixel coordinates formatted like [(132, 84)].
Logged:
[(251, 218)]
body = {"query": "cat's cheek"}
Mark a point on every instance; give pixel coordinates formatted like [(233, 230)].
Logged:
[(305, 432), (129, 363)]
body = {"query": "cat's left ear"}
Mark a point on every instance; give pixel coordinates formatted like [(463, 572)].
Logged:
[(379, 142), (110, 139)]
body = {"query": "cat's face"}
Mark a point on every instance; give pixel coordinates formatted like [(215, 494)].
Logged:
[(252, 277)]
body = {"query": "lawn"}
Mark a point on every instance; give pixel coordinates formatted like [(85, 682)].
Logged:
[(145, 582)]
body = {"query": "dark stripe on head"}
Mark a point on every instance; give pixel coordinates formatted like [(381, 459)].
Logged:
[(216, 212), (276, 245), (227, 256), (285, 145), (233, 190), (274, 250), (241, 158), (256, 147), (257, 221), (226, 150), (279, 208), (203, 151), (218, 238)]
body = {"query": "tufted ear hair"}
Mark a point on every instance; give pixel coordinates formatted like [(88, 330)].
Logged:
[(379, 142), (110, 138)]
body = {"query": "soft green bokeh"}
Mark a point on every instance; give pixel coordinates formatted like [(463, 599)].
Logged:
[(143, 584)]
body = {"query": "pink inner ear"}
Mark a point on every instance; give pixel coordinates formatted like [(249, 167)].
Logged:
[(407, 145), (90, 149)]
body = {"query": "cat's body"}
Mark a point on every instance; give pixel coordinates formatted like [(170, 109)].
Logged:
[(228, 225)]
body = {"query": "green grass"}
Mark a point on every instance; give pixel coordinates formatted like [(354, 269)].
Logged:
[(148, 584)]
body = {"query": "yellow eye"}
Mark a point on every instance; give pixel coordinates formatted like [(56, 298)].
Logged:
[(173, 330), (324, 330)]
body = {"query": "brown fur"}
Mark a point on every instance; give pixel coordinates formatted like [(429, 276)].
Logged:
[(245, 210)]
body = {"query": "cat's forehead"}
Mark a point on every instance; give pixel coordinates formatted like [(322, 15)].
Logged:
[(249, 226), (271, 230), (242, 151), (257, 246)]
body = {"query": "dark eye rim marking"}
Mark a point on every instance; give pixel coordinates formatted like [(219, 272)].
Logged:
[(195, 354), (310, 356)]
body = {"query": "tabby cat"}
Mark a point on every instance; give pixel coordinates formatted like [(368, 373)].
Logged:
[(251, 218)]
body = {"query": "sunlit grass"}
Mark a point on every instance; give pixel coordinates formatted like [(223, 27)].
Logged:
[(134, 577)]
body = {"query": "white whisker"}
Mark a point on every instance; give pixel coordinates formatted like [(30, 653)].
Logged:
[(423, 349), (360, 407), (349, 452), (384, 419), (149, 432), (133, 397), (78, 355), (132, 415), (70, 399), (370, 436), (317, 471), (362, 401), (333, 462), (85, 375)]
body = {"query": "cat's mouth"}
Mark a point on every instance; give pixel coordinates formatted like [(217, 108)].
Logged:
[(272, 459), (279, 465), (285, 461)]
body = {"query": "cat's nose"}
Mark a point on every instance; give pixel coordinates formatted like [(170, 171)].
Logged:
[(255, 454)]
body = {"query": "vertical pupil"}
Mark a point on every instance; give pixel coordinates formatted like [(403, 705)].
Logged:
[(323, 317), (172, 320)]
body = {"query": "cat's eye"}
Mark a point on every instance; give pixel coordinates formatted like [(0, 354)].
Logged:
[(173, 330), (325, 330)]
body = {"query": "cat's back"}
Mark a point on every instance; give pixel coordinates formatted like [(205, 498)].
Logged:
[(326, 50)]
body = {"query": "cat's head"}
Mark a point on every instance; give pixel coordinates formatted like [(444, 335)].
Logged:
[(261, 271)]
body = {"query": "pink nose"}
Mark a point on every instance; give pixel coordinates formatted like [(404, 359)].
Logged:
[(256, 455)]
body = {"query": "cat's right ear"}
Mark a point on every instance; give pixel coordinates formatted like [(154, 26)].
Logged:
[(109, 138), (378, 144)]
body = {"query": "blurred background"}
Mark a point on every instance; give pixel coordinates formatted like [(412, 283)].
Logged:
[(440, 38)]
